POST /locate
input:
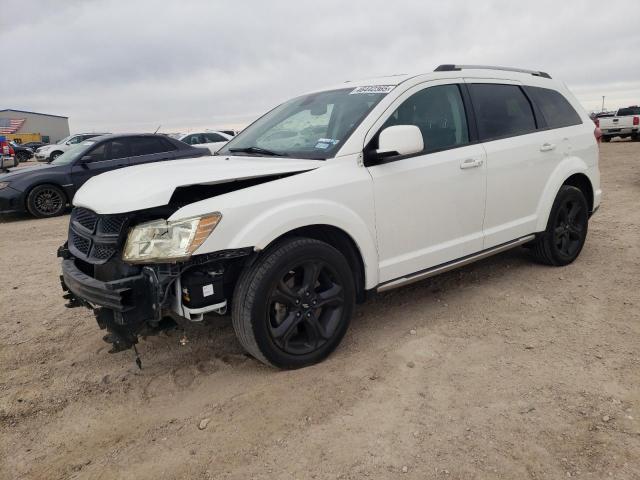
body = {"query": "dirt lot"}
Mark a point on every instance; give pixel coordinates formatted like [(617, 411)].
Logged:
[(504, 369)]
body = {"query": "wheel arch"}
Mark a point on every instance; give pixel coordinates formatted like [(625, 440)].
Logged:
[(341, 241), (571, 171)]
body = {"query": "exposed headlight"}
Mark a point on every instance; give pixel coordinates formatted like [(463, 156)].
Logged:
[(161, 240), (4, 185)]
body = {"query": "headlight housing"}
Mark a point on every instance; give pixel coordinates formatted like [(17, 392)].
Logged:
[(162, 240), (4, 185)]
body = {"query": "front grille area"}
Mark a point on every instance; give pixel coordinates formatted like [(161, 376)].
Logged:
[(96, 238)]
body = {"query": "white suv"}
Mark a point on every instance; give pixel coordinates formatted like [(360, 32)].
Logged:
[(359, 188), (49, 153)]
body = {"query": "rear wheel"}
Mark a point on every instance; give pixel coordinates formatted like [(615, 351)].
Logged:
[(606, 139), (292, 307), (46, 201), (562, 241)]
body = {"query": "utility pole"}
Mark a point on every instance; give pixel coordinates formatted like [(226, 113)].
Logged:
[(602, 103)]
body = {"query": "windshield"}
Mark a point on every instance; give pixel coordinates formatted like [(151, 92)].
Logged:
[(312, 126), (64, 140), (75, 152)]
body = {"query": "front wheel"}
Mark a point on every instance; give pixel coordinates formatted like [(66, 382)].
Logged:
[(46, 201), (54, 155), (292, 307), (562, 241)]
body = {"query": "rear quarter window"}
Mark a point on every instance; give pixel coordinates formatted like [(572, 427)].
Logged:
[(556, 109)]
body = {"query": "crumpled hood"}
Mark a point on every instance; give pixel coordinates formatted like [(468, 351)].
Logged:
[(152, 185)]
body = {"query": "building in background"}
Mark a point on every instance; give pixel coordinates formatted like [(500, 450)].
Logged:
[(25, 127)]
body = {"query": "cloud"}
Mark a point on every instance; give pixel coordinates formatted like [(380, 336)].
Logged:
[(132, 65)]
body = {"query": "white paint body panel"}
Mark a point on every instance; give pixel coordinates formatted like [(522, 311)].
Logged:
[(404, 216)]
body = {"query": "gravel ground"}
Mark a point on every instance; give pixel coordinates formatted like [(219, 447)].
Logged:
[(504, 369)]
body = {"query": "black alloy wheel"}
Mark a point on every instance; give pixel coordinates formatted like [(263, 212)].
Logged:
[(305, 307), (569, 229), (46, 201), (292, 306), (562, 241)]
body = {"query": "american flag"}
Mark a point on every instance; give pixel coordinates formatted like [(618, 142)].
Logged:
[(11, 125)]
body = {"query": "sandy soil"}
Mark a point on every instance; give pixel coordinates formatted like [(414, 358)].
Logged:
[(504, 369)]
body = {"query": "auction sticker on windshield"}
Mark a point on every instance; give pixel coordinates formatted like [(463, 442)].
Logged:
[(372, 89)]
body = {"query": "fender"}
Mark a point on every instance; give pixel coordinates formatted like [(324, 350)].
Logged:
[(273, 223), (567, 167)]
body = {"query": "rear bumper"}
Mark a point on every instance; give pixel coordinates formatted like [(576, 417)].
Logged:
[(619, 131)]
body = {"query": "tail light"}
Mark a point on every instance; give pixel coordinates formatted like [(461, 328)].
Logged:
[(597, 133), (597, 122), (11, 150), (5, 149), (636, 120)]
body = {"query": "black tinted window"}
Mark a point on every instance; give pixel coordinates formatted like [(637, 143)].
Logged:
[(557, 111), (501, 110), (99, 153), (118, 148), (439, 114), (147, 146), (214, 137)]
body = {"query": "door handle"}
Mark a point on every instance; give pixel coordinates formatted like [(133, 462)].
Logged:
[(470, 163), (547, 147)]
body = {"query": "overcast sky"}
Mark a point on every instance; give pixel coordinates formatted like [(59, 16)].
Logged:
[(132, 65)]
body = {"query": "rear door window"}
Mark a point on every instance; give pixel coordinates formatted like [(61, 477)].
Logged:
[(557, 111), (147, 146), (501, 111), (623, 112)]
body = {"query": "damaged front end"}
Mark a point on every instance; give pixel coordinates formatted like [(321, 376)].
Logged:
[(132, 300)]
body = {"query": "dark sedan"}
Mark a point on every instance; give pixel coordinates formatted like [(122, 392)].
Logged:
[(45, 190)]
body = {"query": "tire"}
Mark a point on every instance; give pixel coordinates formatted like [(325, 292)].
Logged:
[(22, 157), (292, 306), (46, 201), (562, 241), (606, 139), (54, 155), (635, 138)]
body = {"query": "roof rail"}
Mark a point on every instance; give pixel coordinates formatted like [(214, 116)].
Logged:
[(450, 68)]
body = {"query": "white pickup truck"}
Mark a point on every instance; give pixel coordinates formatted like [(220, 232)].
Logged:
[(625, 123)]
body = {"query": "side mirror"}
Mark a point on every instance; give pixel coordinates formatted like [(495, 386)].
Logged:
[(400, 140), (86, 159)]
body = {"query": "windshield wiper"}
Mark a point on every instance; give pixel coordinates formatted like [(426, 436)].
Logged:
[(258, 150)]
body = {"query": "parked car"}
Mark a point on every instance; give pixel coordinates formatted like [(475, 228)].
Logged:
[(34, 145), (7, 155), (360, 188), (22, 153), (45, 190), (625, 123), (49, 153), (214, 141)]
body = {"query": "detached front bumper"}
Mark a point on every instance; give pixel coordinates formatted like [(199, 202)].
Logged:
[(131, 296)]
